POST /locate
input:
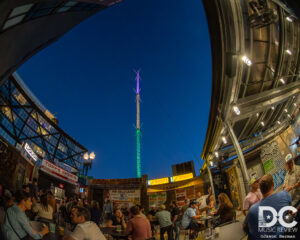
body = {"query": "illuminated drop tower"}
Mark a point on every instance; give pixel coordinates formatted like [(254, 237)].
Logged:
[(138, 130)]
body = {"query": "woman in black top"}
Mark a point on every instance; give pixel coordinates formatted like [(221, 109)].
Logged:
[(117, 219)]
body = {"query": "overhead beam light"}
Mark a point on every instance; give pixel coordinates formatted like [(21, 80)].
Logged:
[(295, 104), (288, 51), (262, 123), (236, 110), (211, 163), (216, 154), (224, 140), (247, 60), (286, 110), (289, 115), (273, 108), (289, 19), (282, 80), (278, 122)]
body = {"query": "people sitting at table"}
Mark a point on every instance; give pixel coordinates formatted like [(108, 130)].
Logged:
[(117, 219), (85, 229), (212, 203), (225, 210), (16, 225), (43, 209), (164, 218), (186, 205), (190, 217), (253, 196), (138, 227)]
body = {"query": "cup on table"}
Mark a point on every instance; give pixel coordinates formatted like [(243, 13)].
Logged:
[(52, 227)]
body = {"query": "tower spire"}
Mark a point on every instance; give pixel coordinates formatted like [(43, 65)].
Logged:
[(138, 130)]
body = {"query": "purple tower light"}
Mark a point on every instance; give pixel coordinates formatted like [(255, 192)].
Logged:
[(137, 82)]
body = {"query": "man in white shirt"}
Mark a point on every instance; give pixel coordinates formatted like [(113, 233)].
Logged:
[(85, 229), (201, 200)]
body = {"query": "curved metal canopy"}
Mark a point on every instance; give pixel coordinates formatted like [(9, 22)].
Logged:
[(256, 72)]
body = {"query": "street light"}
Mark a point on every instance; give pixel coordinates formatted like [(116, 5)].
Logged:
[(88, 160)]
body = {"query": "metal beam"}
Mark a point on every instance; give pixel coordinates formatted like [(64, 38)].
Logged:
[(264, 100), (240, 156)]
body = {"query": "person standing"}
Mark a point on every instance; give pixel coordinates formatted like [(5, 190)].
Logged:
[(95, 212), (34, 190), (292, 181), (138, 226), (175, 219), (165, 223), (270, 199), (16, 225), (253, 196), (107, 208)]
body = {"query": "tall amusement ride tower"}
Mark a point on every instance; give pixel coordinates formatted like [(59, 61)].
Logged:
[(138, 130)]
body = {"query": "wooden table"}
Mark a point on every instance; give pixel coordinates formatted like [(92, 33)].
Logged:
[(114, 233)]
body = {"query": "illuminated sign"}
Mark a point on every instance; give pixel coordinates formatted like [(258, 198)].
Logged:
[(158, 181), (30, 152), (182, 177)]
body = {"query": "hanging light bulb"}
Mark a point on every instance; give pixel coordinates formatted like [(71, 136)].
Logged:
[(282, 80), (247, 60), (272, 107), (289, 19), (236, 110), (224, 140), (278, 122), (216, 154), (285, 110), (262, 123), (288, 51)]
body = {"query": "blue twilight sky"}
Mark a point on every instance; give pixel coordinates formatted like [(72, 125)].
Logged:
[(86, 78)]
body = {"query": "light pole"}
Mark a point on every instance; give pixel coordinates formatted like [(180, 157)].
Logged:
[(88, 160)]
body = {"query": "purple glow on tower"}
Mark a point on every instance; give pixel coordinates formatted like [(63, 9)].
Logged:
[(138, 82)]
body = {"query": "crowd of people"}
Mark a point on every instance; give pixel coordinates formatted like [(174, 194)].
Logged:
[(84, 218)]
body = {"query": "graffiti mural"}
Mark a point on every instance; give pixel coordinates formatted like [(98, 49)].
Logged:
[(273, 162)]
